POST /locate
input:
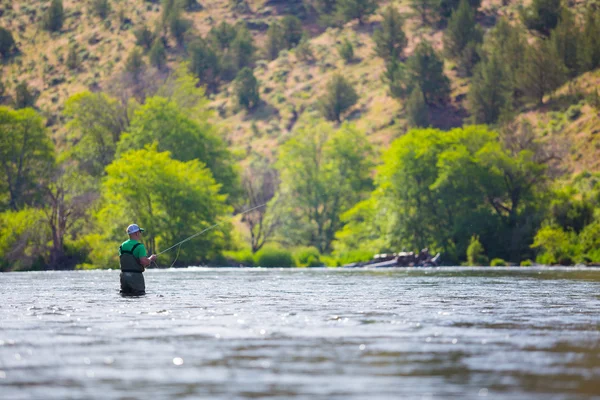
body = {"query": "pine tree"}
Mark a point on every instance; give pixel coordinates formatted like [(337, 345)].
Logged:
[(242, 48), (490, 92), (144, 37), (390, 40), (424, 8), (417, 111), (72, 61), (23, 96), (135, 64), (274, 43), (356, 9), (462, 36), (158, 55), (426, 69), (445, 8), (246, 89), (588, 51), (542, 71), (7, 43), (292, 31), (54, 18), (542, 15), (346, 50), (396, 77), (101, 8), (204, 63), (566, 38), (339, 97)]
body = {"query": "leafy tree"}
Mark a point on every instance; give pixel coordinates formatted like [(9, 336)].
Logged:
[(23, 96), (54, 17), (246, 89), (542, 72), (163, 121), (144, 37), (170, 198), (476, 252), (292, 31), (416, 109), (589, 242), (96, 122), (339, 97), (542, 15), (158, 55), (7, 43), (26, 156), (588, 51), (462, 36), (101, 8), (566, 38), (390, 40), (426, 69), (204, 63), (356, 9), (23, 240), (346, 50), (323, 174), (490, 92), (555, 246), (570, 210)]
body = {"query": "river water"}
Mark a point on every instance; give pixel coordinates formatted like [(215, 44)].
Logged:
[(500, 333)]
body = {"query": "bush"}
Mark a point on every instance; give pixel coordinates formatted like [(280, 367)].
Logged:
[(339, 97), (308, 257), (526, 263), (498, 262), (476, 253), (273, 257), (244, 257), (7, 43), (54, 18), (101, 8), (144, 37), (23, 96), (346, 51), (573, 112)]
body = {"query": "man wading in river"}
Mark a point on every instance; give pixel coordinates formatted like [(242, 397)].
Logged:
[(132, 255)]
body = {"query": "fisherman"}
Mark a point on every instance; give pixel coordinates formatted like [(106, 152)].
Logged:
[(132, 255)]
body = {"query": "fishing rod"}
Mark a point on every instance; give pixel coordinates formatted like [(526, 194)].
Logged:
[(205, 230)]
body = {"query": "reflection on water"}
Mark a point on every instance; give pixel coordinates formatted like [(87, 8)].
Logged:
[(501, 333)]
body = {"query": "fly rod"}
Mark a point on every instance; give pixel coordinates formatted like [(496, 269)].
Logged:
[(205, 230)]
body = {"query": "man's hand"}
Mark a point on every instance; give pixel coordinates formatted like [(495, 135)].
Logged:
[(152, 257)]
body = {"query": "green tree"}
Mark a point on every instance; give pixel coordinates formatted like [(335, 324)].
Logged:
[(7, 43), (339, 96), (417, 111), (476, 252), (204, 63), (390, 39), (164, 122), (96, 122), (396, 77), (242, 49), (426, 69), (542, 15), (158, 55), (346, 50), (72, 61), (23, 96), (178, 27), (135, 65), (424, 8), (26, 156), (356, 9), (555, 246), (246, 89), (222, 35), (144, 37), (323, 174), (566, 38), (445, 8), (54, 17), (101, 8), (170, 198), (588, 51), (462, 36), (542, 71), (292, 31), (491, 91), (23, 240), (274, 42)]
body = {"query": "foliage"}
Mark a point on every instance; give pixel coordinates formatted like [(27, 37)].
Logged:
[(588, 50), (273, 257), (135, 65), (426, 69), (24, 98), (589, 240), (7, 43), (144, 37), (424, 8), (339, 97), (243, 257), (246, 89), (26, 157), (23, 238), (158, 55), (526, 263), (96, 122), (390, 39), (417, 112), (346, 50), (462, 37), (274, 41), (476, 253), (292, 31), (178, 27), (324, 172), (556, 246), (355, 9), (566, 39), (170, 198), (307, 257), (490, 93), (445, 8), (162, 121), (497, 262), (204, 62), (101, 8), (72, 61), (304, 51), (54, 17), (542, 72), (542, 15)]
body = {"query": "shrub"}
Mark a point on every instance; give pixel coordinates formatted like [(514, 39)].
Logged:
[(339, 97), (304, 51), (54, 18), (7, 43), (23, 96), (308, 257), (101, 8), (244, 257), (346, 50), (144, 37), (526, 263), (573, 112), (498, 262), (273, 257), (72, 58), (476, 253), (246, 89)]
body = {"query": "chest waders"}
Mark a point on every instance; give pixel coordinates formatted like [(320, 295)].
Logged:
[(132, 279)]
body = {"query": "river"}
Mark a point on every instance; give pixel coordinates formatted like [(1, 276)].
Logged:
[(498, 333)]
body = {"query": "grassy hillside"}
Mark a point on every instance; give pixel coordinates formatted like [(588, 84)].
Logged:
[(289, 87)]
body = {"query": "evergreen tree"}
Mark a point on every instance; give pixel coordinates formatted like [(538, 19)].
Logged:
[(54, 18), (490, 92), (7, 43), (101, 8), (542, 15), (346, 50), (135, 65), (356, 9), (396, 77), (242, 48), (542, 71), (588, 51), (390, 39), (222, 35), (566, 38), (445, 8), (274, 43), (178, 27), (462, 36), (304, 51), (144, 37), (246, 89), (292, 31), (23, 96), (72, 61), (339, 97), (204, 63), (417, 111), (424, 8), (158, 55), (426, 69)]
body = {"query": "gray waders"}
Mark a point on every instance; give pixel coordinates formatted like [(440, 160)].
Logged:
[(132, 279)]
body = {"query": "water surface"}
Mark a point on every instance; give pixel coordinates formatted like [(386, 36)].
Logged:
[(500, 333)]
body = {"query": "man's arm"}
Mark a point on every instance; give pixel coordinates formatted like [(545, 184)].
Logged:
[(145, 261)]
